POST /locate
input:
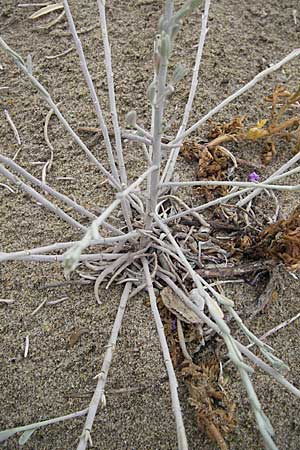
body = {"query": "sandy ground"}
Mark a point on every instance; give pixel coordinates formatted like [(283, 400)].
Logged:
[(55, 379)]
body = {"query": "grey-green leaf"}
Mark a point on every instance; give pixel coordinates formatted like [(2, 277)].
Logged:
[(26, 436), (179, 72)]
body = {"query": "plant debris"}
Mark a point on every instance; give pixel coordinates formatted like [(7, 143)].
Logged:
[(282, 123), (214, 160), (215, 410), (212, 165), (206, 385), (280, 241)]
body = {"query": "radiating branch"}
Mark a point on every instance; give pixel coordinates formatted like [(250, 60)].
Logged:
[(99, 395), (294, 54), (181, 435), (170, 166), (41, 199), (46, 96), (92, 90)]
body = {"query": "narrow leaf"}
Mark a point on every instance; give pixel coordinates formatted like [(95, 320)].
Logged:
[(26, 436), (46, 10)]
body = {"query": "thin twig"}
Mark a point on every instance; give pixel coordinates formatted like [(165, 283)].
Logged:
[(13, 127), (7, 301), (45, 94), (102, 376), (277, 328), (39, 307), (225, 198), (56, 302), (26, 348), (66, 245), (41, 199), (8, 188), (48, 164), (280, 171), (241, 91), (182, 343), (251, 185), (52, 22), (59, 55)]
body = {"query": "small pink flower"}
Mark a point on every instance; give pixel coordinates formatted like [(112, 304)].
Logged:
[(253, 177)]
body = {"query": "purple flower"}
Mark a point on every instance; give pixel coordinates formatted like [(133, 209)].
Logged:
[(174, 325), (253, 177)]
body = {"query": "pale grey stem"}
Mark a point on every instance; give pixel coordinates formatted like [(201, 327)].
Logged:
[(181, 435), (71, 256), (249, 184), (113, 110), (136, 138), (170, 166), (158, 104), (280, 171), (65, 245), (241, 91), (233, 351), (99, 395), (182, 343), (93, 93), (4, 435), (60, 258), (227, 197), (13, 127), (7, 187), (255, 359), (277, 328), (48, 164), (143, 140), (111, 91), (268, 369), (13, 165), (41, 199), (111, 268), (178, 200), (45, 94)]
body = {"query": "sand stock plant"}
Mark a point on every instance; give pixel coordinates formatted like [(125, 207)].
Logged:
[(146, 252)]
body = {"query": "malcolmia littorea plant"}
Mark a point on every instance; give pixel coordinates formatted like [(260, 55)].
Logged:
[(143, 254)]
